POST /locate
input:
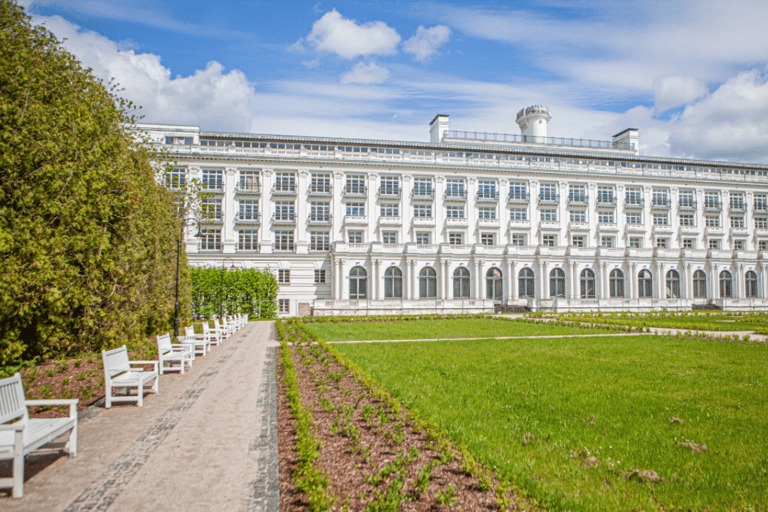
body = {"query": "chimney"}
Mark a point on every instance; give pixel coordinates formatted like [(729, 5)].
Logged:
[(533, 122), (437, 128), (628, 139)]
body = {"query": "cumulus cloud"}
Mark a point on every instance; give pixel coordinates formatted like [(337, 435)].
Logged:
[(426, 42), (365, 74), (674, 91), (336, 34)]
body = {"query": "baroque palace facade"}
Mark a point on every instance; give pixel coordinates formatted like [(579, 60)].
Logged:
[(471, 221)]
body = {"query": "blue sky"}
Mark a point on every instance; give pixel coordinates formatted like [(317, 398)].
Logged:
[(691, 75)]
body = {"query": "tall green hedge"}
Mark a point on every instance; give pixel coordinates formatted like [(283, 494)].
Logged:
[(239, 290), (87, 236)]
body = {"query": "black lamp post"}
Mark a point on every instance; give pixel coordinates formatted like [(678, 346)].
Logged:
[(178, 260), (221, 288)]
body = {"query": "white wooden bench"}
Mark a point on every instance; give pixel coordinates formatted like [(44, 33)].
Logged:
[(118, 373), (214, 335), (200, 342), (27, 434), (222, 329), (171, 353)]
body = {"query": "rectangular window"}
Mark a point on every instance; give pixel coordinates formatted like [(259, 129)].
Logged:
[(549, 214), (390, 209), (687, 199), (210, 240), (247, 240), (319, 241), (577, 194), (737, 222), (423, 211), (712, 221), (355, 184), (737, 201), (761, 222), (283, 305), (176, 179), (454, 188), (714, 244), (320, 183), (283, 276), (548, 240), (355, 237), (284, 210), (605, 217), (605, 195), (738, 245), (210, 208), (761, 202), (687, 219), (606, 241), (249, 181), (283, 240), (319, 276), (213, 180), (388, 237), (689, 243), (518, 191), (660, 219), (633, 197), (248, 209), (635, 242), (486, 189), (518, 240), (548, 192), (422, 187), (285, 182), (634, 218), (662, 243), (488, 239), (486, 213), (454, 212), (455, 238), (422, 237), (712, 200), (520, 214), (319, 212), (762, 245), (577, 241), (355, 209), (390, 185), (660, 197)]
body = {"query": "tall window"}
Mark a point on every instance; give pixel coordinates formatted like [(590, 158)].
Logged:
[(285, 182), (358, 283), (725, 285), (355, 184), (633, 197), (427, 283), (247, 240), (548, 192), (248, 209), (494, 285), (605, 195), (210, 207), (673, 284), (518, 190), (210, 239), (644, 284), (213, 179), (699, 285), (321, 183), (319, 212), (319, 241), (393, 283), (660, 197), (249, 180), (587, 284), (525, 283), (176, 178), (557, 283), (422, 187), (284, 210), (737, 201), (712, 200), (390, 185), (577, 194), (616, 284), (461, 283), (454, 188), (486, 189), (750, 282), (283, 240)]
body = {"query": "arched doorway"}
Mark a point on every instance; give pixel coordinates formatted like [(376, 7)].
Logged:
[(494, 285)]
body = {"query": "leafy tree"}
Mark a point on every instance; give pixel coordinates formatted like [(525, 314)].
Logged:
[(239, 290), (87, 235)]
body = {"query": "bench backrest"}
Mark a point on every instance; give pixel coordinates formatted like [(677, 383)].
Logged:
[(216, 323), (115, 360), (189, 331), (164, 343), (206, 328), (12, 404)]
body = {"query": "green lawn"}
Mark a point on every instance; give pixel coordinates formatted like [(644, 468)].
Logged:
[(439, 329), (522, 406), (692, 322)]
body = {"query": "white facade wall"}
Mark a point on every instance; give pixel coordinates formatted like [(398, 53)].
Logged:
[(738, 247)]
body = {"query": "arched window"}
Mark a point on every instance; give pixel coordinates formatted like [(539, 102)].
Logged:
[(750, 281), (587, 284), (616, 281), (557, 283), (525, 283), (461, 283), (725, 285), (644, 284), (493, 285), (358, 283), (673, 284), (393, 283), (427, 283), (699, 285)]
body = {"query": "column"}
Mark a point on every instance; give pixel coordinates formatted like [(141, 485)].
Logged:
[(545, 280), (340, 273), (406, 281), (513, 281), (302, 213), (715, 280), (631, 279), (686, 288), (479, 282), (337, 208), (371, 210), (662, 294), (228, 234), (738, 271), (414, 282), (377, 288), (574, 279), (603, 281), (447, 279), (265, 210)]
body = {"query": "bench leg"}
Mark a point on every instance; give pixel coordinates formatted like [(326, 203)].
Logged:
[(156, 385), (18, 465), (140, 389), (72, 444), (108, 397)]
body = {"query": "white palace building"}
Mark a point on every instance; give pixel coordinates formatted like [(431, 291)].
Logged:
[(472, 221)]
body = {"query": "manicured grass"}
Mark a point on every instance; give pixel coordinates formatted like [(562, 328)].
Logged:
[(439, 329), (535, 409), (701, 322)]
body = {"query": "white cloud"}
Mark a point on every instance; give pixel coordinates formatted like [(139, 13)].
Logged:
[(346, 38), (674, 91), (425, 43), (365, 74)]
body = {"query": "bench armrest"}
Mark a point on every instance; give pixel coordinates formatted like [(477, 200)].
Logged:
[(153, 363), (13, 426), (71, 402)]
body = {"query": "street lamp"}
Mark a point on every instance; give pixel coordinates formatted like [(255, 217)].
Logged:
[(221, 288), (178, 260)]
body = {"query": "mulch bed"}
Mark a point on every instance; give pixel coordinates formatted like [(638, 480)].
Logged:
[(371, 458)]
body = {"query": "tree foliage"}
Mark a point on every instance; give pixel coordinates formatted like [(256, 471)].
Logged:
[(87, 236), (239, 290)]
